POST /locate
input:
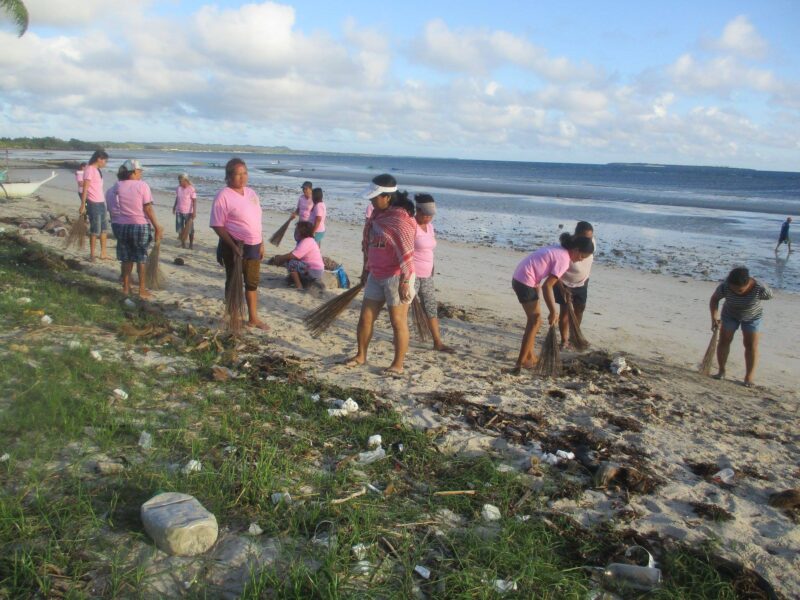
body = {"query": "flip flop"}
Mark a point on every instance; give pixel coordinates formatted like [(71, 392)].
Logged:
[(392, 374)]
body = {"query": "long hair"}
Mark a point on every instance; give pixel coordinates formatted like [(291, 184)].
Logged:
[(98, 154)]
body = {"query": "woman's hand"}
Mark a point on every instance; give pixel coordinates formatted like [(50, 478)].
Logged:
[(552, 318), (159, 233), (261, 252), (404, 289)]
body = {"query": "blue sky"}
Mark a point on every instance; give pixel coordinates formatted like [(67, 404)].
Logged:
[(713, 83)]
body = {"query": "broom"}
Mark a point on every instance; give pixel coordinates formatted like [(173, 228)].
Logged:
[(234, 297), (276, 238), (321, 318), (711, 352), (549, 364), (187, 229), (154, 277), (76, 236), (575, 334), (421, 320)]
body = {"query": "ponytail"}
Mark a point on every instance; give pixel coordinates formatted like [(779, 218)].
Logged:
[(582, 244), (401, 200)]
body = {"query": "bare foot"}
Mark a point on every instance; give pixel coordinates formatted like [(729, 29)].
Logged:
[(443, 348), (145, 295), (720, 375), (354, 362), (511, 370), (258, 325), (105, 257)]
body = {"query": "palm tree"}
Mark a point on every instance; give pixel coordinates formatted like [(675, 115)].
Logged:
[(18, 13)]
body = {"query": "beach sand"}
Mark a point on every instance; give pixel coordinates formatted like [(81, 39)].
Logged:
[(674, 415)]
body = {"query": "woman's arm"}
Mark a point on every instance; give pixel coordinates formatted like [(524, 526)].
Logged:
[(151, 216), (550, 299), (317, 223), (226, 237), (713, 306)]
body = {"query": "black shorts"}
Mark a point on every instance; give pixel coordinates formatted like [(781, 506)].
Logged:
[(525, 293), (579, 294)]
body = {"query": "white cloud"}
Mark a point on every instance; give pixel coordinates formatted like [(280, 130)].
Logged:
[(69, 13), (741, 38)]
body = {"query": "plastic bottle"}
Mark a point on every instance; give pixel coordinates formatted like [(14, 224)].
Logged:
[(632, 577), (725, 476)]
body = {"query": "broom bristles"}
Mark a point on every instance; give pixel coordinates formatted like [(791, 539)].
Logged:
[(575, 334), (321, 318), (277, 237), (76, 236), (234, 297), (154, 277), (549, 364), (711, 352), (187, 229), (421, 323)]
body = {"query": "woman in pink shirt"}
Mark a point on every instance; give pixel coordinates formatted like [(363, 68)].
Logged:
[(79, 179), (236, 218), (318, 214), (185, 208), (304, 203), (93, 202), (424, 244), (130, 203), (541, 270), (304, 263)]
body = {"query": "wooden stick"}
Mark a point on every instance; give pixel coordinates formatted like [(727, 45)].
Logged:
[(455, 493), (361, 492)]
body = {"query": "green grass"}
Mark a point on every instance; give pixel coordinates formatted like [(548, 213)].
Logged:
[(58, 522)]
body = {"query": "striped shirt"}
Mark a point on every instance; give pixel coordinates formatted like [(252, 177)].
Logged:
[(745, 307)]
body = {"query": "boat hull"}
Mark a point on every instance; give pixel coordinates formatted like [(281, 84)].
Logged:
[(22, 190)]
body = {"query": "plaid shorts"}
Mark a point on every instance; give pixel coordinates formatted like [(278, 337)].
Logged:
[(132, 242), (180, 222), (301, 268)]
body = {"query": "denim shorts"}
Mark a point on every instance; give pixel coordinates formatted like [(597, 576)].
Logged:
[(731, 324), (387, 290), (525, 293), (96, 212)]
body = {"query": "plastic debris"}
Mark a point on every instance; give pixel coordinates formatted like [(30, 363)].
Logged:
[(503, 586), (73, 344), (725, 476), (96, 355), (279, 497), (5, 457), (343, 408), (145, 440), (490, 512), (47, 320), (254, 529), (362, 567), (565, 454), (374, 441), (229, 450), (633, 577), (359, 551), (423, 572), (120, 394), (550, 459), (129, 303), (193, 466), (523, 518), (315, 397), (619, 366), (371, 456), (24, 300)]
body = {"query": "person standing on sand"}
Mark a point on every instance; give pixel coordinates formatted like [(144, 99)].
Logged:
[(388, 269), (304, 203), (424, 245), (304, 263), (236, 218), (130, 203), (575, 283), (541, 270), (93, 202), (783, 238), (743, 296), (185, 208), (79, 179), (317, 215)]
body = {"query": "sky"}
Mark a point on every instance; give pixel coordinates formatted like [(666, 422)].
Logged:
[(680, 82)]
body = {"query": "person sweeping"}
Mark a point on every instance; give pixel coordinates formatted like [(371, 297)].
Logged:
[(536, 275), (388, 269), (742, 308), (185, 210), (575, 282), (236, 219)]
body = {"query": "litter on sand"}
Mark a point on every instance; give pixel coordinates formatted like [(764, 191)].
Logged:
[(120, 394), (503, 586), (145, 440), (96, 355), (279, 497), (254, 529), (490, 512), (343, 409), (423, 572), (193, 466), (371, 456), (374, 441), (47, 320), (619, 365)]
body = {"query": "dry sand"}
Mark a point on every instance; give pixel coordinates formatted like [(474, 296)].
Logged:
[(675, 415)]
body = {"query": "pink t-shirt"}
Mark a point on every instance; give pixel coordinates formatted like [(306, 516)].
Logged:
[(112, 204), (539, 265), (132, 196), (308, 251), (304, 206), (239, 214), (79, 179), (319, 210), (368, 211), (424, 243), (94, 180), (183, 199)]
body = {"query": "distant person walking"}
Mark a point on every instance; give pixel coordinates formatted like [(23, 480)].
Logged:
[(536, 275), (236, 217), (783, 238), (317, 216), (576, 283), (742, 308), (130, 203), (79, 179), (185, 209), (93, 202)]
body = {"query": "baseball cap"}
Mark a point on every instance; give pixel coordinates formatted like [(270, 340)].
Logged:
[(133, 165)]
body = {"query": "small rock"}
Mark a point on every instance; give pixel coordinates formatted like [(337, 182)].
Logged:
[(179, 524), (222, 373), (179, 261), (366, 458), (193, 466), (490, 512), (254, 529), (129, 303), (96, 355)]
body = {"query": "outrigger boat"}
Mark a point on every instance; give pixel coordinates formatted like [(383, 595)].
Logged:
[(22, 189)]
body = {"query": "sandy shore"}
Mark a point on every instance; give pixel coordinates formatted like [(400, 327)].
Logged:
[(660, 321)]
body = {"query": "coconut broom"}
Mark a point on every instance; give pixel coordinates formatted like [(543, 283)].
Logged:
[(154, 277), (76, 236), (277, 237), (575, 334), (320, 319), (549, 364), (187, 229), (711, 352), (421, 320), (234, 296)]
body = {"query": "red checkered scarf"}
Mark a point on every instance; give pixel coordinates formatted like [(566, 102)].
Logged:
[(400, 229)]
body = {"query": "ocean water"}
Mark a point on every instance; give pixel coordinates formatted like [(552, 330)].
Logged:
[(691, 222)]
